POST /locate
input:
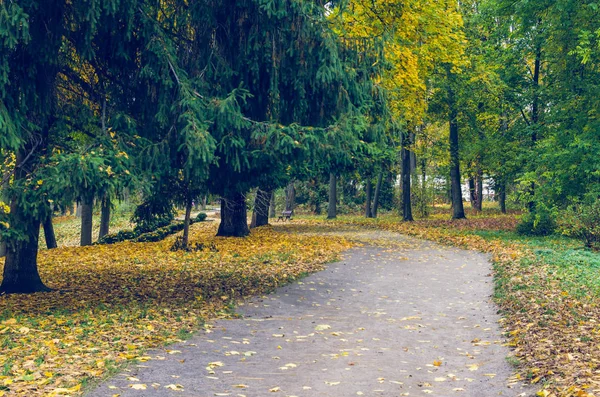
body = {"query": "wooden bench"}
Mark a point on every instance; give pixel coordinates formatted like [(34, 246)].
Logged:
[(285, 215)]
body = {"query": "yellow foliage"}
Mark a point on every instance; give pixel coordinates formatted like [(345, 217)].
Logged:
[(422, 34)]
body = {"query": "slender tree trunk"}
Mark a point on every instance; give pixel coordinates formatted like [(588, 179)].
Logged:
[(406, 199), (377, 195), (272, 209), (458, 211), (49, 235), (332, 205), (234, 220), (186, 225), (479, 190), (290, 197), (260, 215), (78, 210), (535, 113), (501, 192), (104, 218), (3, 198), (472, 193), (203, 205), (20, 273), (87, 216), (369, 194), (424, 199)]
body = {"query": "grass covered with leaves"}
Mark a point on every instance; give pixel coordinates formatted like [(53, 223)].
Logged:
[(112, 303), (548, 289), (68, 228)]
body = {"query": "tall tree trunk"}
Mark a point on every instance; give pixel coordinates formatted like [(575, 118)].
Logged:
[(479, 190), (458, 211), (424, 199), (2, 242), (332, 205), (290, 197), (501, 192), (203, 205), (535, 113), (369, 194), (260, 215), (78, 210), (234, 220), (272, 209), (49, 235), (377, 195), (20, 266), (87, 216), (185, 240), (406, 199), (472, 193), (104, 218)]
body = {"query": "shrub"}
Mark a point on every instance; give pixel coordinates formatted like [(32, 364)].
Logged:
[(201, 217), (538, 223), (582, 222), (118, 237), (153, 214)]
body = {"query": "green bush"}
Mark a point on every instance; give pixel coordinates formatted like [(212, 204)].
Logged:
[(538, 223), (201, 217), (123, 235), (153, 214), (582, 222)]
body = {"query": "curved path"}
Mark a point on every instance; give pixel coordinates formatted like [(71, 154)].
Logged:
[(398, 317)]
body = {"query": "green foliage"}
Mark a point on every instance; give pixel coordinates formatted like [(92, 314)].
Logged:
[(154, 213), (201, 217), (538, 223), (122, 235), (583, 222)]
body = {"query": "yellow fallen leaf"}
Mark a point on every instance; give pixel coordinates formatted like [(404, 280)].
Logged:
[(275, 389), (176, 387), (138, 386)]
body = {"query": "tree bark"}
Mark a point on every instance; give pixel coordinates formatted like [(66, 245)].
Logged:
[(501, 192), (272, 209), (87, 215), (78, 210), (406, 199), (49, 235), (535, 113), (332, 205), (290, 197), (2, 249), (472, 193), (458, 211), (377, 195), (234, 222), (260, 215), (479, 190), (203, 205), (369, 193), (20, 266), (186, 225), (104, 218)]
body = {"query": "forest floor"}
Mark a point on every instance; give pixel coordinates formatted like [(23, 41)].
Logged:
[(396, 317), (112, 304)]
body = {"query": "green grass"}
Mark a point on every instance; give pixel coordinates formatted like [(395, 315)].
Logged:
[(577, 268)]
